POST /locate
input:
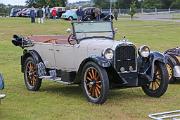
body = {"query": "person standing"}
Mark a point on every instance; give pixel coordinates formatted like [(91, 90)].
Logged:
[(115, 14), (97, 13), (33, 14), (80, 14), (47, 12), (40, 15), (44, 14), (54, 13)]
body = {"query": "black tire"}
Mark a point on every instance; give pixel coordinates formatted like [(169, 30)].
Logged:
[(32, 82), (160, 81), (169, 66), (95, 83)]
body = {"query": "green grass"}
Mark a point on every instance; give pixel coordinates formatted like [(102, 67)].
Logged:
[(59, 102)]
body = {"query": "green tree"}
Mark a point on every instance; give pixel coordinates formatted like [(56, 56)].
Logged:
[(167, 3), (51, 3), (175, 4), (151, 4), (132, 11)]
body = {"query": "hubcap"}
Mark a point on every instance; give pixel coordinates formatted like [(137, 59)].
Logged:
[(92, 83)]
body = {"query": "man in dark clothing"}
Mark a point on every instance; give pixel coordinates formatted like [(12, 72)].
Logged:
[(115, 14), (33, 15), (80, 14), (40, 15)]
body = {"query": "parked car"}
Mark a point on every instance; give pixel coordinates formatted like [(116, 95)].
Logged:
[(24, 12), (89, 15), (91, 57), (173, 63), (70, 15), (14, 12)]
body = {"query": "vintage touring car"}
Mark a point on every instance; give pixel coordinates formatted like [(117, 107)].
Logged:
[(172, 57), (91, 57)]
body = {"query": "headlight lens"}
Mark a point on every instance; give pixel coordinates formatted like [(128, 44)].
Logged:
[(144, 51), (108, 54)]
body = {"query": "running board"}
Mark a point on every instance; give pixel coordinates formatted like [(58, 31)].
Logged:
[(55, 80)]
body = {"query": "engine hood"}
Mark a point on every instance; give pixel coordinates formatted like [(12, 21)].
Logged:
[(96, 46)]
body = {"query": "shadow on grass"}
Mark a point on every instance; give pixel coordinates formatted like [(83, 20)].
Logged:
[(75, 91)]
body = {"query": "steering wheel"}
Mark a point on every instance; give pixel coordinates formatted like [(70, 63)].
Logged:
[(71, 39)]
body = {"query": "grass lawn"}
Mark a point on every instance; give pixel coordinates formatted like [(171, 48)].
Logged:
[(58, 102)]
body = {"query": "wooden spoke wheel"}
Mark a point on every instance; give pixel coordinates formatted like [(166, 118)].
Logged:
[(170, 71), (155, 84), (31, 75), (95, 83), (169, 66), (158, 86)]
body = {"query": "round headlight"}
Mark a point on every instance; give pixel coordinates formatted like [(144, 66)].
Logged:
[(144, 51), (108, 54)]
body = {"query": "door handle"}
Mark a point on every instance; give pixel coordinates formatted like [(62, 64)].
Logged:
[(57, 50)]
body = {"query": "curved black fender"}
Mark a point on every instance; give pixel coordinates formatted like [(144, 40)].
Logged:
[(147, 68), (97, 59), (1, 82), (169, 57), (34, 54)]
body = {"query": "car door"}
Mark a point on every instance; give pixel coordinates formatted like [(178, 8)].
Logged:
[(46, 51), (64, 57)]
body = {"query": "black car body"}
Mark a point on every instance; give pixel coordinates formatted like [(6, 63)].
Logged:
[(172, 57), (89, 14)]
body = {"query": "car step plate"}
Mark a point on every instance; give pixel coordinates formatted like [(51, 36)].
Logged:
[(170, 115), (55, 80)]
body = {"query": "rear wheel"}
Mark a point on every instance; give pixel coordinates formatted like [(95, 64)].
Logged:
[(159, 85), (169, 66), (95, 83), (32, 82)]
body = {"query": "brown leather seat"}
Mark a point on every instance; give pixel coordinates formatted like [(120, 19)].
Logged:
[(57, 39)]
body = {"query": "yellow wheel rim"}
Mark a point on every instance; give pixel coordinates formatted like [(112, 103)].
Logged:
[(170, 71)]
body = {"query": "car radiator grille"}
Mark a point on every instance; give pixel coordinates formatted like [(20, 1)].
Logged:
[(125, 59)]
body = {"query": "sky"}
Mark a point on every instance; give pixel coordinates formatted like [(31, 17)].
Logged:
[(22, 2)]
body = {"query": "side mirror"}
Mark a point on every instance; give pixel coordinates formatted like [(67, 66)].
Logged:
[(68, 30)]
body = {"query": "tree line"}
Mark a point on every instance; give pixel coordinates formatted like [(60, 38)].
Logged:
[(41, 3), (147, 4)]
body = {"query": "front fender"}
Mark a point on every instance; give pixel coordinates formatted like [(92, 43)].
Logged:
[(98, 60), (31, 53), (1, 82), (156, 57), (147, 66)]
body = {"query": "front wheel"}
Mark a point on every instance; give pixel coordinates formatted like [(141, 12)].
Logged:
[(159, 85), (32, 82), (95, 83)]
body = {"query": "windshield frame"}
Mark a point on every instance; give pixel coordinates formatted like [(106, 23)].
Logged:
[(74, 33)]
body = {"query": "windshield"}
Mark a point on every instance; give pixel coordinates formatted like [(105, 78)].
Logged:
[(84, 30)]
